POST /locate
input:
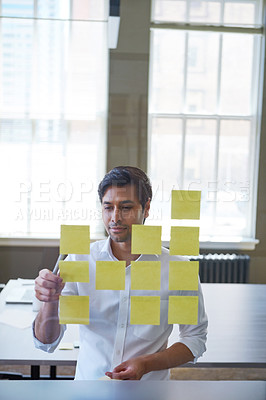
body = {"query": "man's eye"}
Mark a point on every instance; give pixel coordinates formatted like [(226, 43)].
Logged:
[(127, 208), (107, 208)]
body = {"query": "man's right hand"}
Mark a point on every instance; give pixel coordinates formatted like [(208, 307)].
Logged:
[(48, 286)]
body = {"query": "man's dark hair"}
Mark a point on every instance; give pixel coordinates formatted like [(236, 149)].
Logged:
[(125, 175)]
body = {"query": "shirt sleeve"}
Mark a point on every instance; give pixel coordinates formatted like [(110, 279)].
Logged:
[(69, 289), (48, 347), (195, 336)]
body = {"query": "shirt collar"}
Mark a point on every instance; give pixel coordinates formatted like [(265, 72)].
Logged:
[(106, 249)]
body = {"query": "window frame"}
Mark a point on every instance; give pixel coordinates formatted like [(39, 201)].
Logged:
[(215, 242)]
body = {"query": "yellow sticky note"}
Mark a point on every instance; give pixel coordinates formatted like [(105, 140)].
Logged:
[(66, 346), (145, 275), (75, 239), (185, 204), (110, 275), (183, 275), (145, 310), (146, 239), (184, 241), (74, 271), (183, 310), (74, 310)]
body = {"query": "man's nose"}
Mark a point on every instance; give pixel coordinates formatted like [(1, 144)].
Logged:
[(116, 216)]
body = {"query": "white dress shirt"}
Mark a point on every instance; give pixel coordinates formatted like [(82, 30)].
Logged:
[(110, 339)]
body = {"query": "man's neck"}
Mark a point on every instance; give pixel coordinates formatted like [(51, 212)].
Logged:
[(122, 251)]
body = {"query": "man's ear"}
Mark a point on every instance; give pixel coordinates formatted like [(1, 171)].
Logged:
[(147, 208)]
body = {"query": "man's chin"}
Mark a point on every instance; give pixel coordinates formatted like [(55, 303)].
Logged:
[(118, 239)]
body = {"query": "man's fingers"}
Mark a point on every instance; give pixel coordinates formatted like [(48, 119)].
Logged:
[(48, 286), (120, 367)]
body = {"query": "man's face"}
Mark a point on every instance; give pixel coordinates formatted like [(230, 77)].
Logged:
[(120, 209)]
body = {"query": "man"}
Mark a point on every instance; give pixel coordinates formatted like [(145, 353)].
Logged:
[(110, 345)]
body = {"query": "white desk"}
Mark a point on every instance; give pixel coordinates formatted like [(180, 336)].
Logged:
[(132, 390), (17, 347), (237, 326), (237, 332)]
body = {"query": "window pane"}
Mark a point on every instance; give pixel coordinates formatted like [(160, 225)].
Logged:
[(202, 72), (90, 9), (53, 105), (233, 186), (199, 164), (200, 145), (86, 84), (166, 144), (209, 11), (14, 8), (236, 79), (16, 59), (166, 141), (240, 13), (48, 69), (15, 150), (169, 10), (53, 9), (205, 11), (167, 71)]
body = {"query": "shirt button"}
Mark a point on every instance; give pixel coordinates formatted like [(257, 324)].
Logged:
[(118, 352), (124, 299), (122, 326)]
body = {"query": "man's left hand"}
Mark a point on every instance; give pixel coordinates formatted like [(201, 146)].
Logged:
[(131, 370)]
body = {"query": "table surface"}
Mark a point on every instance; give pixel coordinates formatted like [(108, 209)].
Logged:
[(132, 390), (236, 333)]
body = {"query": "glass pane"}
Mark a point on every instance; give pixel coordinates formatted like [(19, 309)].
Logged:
[(48, 69), (202, 73), (236, 79), (199, 164), (86, 78), (169, 10), (15, 150), (165, 159), (240, 13), (53, 9), (16, 59), (236, 12), (84, 152), (48, 76), (90, 9), (233, 186), (167, 71), (15, 8), (47, 177), (205, 11)]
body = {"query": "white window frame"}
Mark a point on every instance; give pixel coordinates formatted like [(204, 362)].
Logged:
[(29, 239), (213, 242)]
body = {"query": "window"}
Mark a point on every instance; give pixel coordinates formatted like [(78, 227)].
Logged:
[(53, 113), (204, 108)]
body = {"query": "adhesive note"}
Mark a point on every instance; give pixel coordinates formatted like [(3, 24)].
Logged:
[(74, 271), (145, 275), (110, 275), (146, 239), (145, 310), (74, 310), (65, 346), (184, 241), (183, 310), (75, 239), (185, 204), (183, 275)]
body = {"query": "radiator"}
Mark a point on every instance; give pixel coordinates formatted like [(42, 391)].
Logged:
[(223, 268)]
